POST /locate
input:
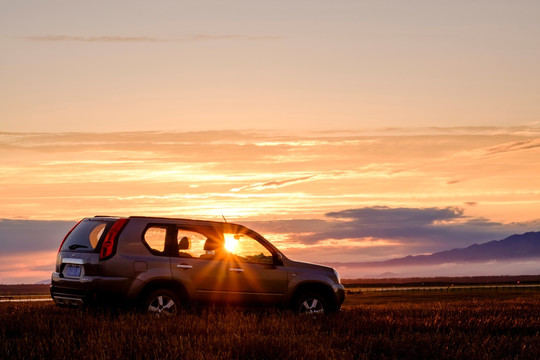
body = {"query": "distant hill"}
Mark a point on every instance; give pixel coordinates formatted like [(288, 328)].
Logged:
[(523, 246)]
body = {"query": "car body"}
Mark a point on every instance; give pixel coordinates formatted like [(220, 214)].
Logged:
[(165, 263)]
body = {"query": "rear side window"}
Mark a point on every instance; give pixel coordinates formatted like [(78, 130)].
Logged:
[(87, 235), (155, 239)]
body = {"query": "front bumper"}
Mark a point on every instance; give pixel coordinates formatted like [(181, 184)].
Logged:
[(339, 292)]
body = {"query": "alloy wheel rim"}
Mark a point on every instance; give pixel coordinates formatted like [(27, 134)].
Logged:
[(312, 306), (162, 305)]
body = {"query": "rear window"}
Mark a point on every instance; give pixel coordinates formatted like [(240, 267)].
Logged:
[(87, 235)]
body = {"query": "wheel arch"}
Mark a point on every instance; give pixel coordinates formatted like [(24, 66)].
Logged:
[(175, 286), (318, 287)]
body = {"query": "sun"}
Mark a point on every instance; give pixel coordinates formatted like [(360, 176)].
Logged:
[(231, 243)]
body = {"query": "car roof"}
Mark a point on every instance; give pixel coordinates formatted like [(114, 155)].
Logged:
[(193, 222)]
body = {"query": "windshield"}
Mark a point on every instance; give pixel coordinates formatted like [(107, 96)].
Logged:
[(86, 236)]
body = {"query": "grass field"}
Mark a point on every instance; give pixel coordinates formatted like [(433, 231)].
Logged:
[(399, 325)]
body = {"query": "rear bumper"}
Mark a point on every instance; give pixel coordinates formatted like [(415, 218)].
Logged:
[(72, 291), (89, 289), (68, 300)]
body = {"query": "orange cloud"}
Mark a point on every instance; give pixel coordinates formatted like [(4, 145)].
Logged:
[(275, 174)]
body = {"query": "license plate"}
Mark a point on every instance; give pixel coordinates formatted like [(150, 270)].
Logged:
[(72, 271)]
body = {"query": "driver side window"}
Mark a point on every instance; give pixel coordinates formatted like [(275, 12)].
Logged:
[(247, 249)]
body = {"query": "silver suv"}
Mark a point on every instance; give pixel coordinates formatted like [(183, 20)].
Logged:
[(163, 264)]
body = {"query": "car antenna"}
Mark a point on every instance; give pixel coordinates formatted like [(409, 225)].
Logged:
[(223, 216)]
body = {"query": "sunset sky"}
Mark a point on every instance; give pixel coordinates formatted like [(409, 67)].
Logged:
[(343, 131)]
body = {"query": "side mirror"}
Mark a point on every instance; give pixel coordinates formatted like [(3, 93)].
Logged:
[(278, 259)]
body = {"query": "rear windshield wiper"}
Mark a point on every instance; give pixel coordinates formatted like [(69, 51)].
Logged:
[(76, 246)]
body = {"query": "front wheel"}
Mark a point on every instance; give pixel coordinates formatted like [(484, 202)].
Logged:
[(311, 303), (162, 302)]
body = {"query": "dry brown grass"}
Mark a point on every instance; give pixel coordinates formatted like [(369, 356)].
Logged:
[(504, 326)]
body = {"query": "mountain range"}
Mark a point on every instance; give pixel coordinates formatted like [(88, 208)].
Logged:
[(514, 247)]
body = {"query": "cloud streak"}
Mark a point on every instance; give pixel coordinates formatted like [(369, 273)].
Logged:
[(273, 184), (147, 39), (513, 146)]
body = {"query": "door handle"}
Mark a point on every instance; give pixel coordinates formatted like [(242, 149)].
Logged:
[(184, 266), (236, 269)]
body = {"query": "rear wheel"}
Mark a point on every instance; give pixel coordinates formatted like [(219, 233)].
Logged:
[(311, 303), (162, 302)]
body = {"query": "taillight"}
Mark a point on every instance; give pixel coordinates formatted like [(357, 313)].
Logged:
[(65, 237), (108, 248)]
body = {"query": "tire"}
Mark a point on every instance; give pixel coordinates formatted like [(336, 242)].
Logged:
[(162, 302), (312, 303)]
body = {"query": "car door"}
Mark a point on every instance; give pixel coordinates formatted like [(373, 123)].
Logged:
[(254, 275), (203, 272)]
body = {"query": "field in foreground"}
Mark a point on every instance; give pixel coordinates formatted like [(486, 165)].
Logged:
[(375, 326)]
